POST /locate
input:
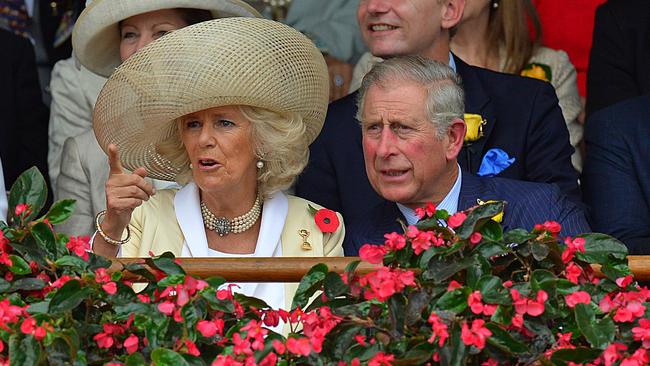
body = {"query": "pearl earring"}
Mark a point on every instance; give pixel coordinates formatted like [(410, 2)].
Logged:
[(495, 4), (191, 166), (260, 164)]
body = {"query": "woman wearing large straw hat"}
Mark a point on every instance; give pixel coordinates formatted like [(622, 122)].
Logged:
[(227, 108), (107, 33)]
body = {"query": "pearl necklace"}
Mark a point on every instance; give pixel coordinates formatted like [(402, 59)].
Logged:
[(239, 224)]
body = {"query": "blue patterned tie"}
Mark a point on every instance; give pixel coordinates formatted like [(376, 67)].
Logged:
[(14, 17)]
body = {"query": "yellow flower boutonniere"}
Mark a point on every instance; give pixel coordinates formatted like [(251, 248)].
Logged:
[(496, 218), (475, 123), (537, 71)]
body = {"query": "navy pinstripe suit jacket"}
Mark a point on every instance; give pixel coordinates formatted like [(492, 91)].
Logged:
[(527, 204)]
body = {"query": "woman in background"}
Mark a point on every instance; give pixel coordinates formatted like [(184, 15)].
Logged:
[(495, 34)]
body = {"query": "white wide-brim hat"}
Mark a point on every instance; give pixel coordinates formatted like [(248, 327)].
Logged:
[(96, 34), (229, 61)]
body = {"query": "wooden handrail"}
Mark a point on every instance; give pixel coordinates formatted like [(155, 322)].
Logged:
[(291, 269)]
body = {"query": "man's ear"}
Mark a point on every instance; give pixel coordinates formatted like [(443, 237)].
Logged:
[(456, 138), (452, 12)]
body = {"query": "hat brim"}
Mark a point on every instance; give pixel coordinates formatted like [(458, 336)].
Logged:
[(230, 61), (96, 35)]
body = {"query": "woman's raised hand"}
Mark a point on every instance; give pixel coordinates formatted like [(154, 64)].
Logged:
[(124, 192)]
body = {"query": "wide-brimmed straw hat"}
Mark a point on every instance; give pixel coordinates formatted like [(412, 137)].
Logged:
[(229, 61), (96, 34)]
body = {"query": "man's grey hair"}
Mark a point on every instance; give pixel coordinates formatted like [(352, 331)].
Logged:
[(445, 97)]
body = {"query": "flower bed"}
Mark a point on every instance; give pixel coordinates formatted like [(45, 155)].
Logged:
[(471, 295)]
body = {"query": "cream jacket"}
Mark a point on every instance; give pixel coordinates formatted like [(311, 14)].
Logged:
[(74, 92), (171, 221)]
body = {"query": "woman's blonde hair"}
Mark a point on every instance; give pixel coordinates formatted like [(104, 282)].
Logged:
[(509, 28), (279, 141)]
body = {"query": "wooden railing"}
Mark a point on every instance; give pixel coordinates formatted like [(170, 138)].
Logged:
[(291, 269)]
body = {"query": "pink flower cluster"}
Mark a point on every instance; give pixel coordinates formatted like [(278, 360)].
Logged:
[(385, 281)]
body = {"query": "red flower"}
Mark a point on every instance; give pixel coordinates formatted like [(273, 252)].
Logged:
[(166, 307), (381, 359), (279, 347), (29, 326), (579, 297), (191, 348), (573, 272), (528, 306), (104, 340), (394, 241), (299, 346), (131, 344), (110, 288), (22, 208), (453, 284), (550, 226), (327, 220), (456, 219), (623, 282), (79, 246), (439, 329), (475, 238), (373, 254), (642, 332), (475, 336)]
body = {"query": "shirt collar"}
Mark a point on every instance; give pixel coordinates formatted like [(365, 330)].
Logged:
[(449, 203), (452, 62)]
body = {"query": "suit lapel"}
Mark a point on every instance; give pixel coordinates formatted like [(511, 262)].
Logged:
[(476, 101)]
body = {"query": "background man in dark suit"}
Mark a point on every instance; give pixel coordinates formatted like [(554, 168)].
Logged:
[(23, 116), (523, 117), (411, 113), (616, 176), (619, 64)]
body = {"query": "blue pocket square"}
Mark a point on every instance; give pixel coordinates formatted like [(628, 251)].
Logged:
[(494, 162)]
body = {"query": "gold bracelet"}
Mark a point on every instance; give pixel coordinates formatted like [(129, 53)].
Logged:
[(107, 238)]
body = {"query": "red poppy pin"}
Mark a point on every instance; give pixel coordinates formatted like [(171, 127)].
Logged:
[(326, 220)]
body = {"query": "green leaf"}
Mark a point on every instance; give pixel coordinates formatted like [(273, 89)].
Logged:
[(454, 301), (493, 292), (397, 313), (72, 261), (517, 236), (580, 355), (418, 301), (442, 269), (197, 361), (542, 279), (166, 263), (309, 284), (599, 333), (566, 287), (27, 284), (491, 249), (311, 209), (215, 282), (24, 350), (454, 353), (19, 266), (4, 285), (492, 231), (502, 315), (31, 251), (418, 354), (334, 285), (132, 308), (167, 357), (599, 248), (39, 307), (477, 216), (29, 188), (248, 301), (135, 359), (68, 297), (44, 238), (540, 251), (60, 211), (172, 280), (501, 339)]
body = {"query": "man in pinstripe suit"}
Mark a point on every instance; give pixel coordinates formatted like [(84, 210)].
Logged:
[(411, 111)]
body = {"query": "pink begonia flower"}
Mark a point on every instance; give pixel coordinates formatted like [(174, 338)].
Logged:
[(623, 282), (453, 284), (381, 359), (439, 329), (476, 335), (131, 344), (299, 346), (456, 219), (475, 238), (166, 307), (642, 332), (578, 297), (394, 241), (110, 288), (373, 254), (528, 306), (550, 226), (573, 272)]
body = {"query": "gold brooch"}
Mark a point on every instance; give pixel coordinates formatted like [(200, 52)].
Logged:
[(304, 234)]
